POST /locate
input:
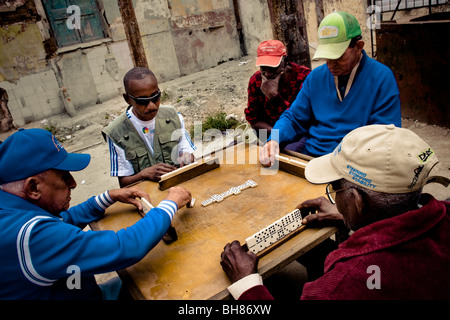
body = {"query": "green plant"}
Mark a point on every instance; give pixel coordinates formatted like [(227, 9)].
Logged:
[(51, 128), (217, 121), (164, 96)]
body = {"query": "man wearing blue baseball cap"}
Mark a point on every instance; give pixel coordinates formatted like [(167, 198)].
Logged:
[(43, 239), (349, 91)]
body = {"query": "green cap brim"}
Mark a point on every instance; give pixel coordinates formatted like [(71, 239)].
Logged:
[(331, 51)]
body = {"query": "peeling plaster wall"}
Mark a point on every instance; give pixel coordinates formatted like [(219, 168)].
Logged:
[(34, 71), (185, 36), (33, 97), (179, 37), (202, 41), (256, 23), (21, 51), (154, 19)]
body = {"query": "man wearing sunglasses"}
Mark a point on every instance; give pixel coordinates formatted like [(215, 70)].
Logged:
[(147, 140), (399, 248)]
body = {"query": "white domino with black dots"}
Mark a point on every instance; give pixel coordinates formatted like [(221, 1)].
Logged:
[(275, 232), (232, 191)]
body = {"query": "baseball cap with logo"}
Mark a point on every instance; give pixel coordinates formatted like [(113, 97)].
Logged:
[(270, 53), (29, 152), (335, 33), (382, 158)]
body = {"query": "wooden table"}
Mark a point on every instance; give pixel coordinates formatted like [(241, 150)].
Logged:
[(189, 268)]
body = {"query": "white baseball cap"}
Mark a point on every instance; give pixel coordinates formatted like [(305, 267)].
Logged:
[(382, 158)]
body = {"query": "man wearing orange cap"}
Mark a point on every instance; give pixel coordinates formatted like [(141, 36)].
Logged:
[(273, 88)]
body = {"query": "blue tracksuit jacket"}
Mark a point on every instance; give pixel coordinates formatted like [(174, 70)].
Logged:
[(38, 249)]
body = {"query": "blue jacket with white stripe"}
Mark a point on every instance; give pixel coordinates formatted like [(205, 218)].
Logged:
[(38, 251)]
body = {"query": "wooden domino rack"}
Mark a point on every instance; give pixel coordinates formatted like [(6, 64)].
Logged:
[(291, 165), (187, 172)]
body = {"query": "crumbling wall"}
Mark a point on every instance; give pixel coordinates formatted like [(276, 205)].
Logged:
[(22, 51), (179, 37), (42, 80), (6, 119)]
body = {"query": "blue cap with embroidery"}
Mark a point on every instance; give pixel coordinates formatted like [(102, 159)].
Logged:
[(29, 152)]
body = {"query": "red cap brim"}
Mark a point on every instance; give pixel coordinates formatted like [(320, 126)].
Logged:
[(268, 61)]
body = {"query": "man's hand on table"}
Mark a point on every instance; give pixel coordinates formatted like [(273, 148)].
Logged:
[(326, 213), (236, 262), (155, 172), (179, 195), (268, 153), (129, 195), (185, 159)]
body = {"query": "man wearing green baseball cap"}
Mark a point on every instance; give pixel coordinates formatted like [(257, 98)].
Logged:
[(349, 91), (336, 31)]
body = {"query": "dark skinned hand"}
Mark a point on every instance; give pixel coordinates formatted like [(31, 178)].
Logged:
[(236, 262), (155, 172), (326, 213)]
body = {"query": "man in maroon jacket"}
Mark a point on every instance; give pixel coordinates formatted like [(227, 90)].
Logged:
[(401, 240)]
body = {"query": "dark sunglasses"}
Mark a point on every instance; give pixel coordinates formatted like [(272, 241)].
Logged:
[(144, 101)]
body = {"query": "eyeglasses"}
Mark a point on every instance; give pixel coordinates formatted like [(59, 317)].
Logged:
[(330, 191), (143, 101)]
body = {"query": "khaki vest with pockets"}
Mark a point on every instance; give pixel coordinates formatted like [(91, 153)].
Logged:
[(166, 138)]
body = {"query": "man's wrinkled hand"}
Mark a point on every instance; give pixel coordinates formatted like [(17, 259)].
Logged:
[(236, 262), (326, 213), (268, 153), (270, 86), (179, 195), (185, 158), (129, 195)]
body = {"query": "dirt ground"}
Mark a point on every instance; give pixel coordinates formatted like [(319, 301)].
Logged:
[(219, 89)]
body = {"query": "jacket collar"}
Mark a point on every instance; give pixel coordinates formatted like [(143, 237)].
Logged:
[(12, 202), (390, 232)]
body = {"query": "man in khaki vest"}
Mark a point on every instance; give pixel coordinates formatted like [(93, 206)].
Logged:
[(147, 140)]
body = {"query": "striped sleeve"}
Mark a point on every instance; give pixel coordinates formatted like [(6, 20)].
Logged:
[(169, 207), (120, 166), (23, 251), (104, 200), (186, 145), (113, 158)]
